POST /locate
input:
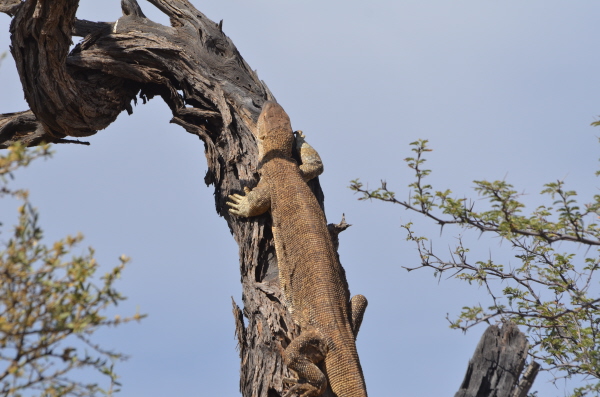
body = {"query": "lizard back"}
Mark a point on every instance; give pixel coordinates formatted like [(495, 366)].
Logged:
[(312, 279)]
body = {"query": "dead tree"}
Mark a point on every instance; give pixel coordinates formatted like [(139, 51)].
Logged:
[(497, 364), (212, 93)]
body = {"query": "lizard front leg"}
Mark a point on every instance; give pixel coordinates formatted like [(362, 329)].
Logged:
[(311, 166), (302, 356), (256, 201)]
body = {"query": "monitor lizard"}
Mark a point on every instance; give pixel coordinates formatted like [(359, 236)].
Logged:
[(312, 280)]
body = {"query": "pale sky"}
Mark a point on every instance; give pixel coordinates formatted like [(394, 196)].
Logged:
[(501, 89)]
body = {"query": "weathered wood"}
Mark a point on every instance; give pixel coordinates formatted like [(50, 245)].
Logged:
[(527, 380), (83, 28), (67, 103), (498, 361), (212, 93), (10, 7), (25, 128)]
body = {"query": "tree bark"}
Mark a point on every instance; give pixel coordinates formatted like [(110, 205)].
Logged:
[(212, 93), (497, 364)]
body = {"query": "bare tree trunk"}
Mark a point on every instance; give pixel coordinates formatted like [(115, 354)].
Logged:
[(212, 93), (497, 364)]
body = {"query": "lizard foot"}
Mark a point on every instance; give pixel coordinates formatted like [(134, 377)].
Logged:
[(302, 356), (301, 388), (240, 206)]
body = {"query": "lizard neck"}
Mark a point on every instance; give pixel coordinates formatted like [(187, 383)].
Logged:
[(274, 157)]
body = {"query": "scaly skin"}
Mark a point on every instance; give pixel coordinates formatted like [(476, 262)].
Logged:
[(312, 280)]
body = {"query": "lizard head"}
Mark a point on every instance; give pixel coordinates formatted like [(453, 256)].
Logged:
[(274, 131)]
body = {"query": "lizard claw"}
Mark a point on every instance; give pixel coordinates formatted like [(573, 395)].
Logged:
[(302, 389), (236, 198), (239, 204), (299, 137)]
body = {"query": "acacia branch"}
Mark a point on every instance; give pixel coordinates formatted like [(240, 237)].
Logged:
[(475, 223)]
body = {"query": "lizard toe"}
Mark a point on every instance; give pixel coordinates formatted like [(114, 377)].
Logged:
[(301, 389)]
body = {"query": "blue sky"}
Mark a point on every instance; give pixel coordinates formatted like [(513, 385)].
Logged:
[(501, 89)]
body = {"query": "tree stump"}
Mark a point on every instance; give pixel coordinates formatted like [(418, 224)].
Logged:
[(498, 362)]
